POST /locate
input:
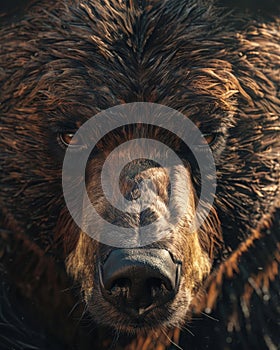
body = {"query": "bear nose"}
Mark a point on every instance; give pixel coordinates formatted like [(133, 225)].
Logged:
[(137, 280)]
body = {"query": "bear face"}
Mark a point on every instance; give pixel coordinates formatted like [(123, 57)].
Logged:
[(136, 287), (74, 59)]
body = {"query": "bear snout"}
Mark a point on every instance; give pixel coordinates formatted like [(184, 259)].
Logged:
[(135, 281)]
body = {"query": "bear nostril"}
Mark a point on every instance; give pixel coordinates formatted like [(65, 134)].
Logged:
[(121, 287), (136, 280), (157, 287)]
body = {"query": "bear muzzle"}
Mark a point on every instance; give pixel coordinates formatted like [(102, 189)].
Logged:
[(136, 281)]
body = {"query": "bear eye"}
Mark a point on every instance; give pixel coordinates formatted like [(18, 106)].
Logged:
[(208, 139), (66, 139)]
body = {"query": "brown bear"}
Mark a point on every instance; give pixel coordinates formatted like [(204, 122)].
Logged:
[(213, 70)]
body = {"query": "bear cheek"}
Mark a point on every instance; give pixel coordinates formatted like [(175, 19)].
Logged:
[(196, 265), (81, 262)]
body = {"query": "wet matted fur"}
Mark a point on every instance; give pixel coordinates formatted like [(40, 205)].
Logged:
[(61, 62)]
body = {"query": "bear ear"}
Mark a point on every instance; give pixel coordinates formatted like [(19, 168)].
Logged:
[(252, 5)]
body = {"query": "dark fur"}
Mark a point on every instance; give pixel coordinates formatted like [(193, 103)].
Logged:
[(63, 61)]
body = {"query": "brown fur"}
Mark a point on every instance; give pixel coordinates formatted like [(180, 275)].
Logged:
[(61, 62)]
